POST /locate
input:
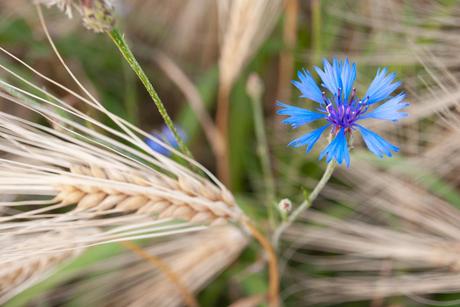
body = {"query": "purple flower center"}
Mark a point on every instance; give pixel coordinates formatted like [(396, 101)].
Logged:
[(342, 113)]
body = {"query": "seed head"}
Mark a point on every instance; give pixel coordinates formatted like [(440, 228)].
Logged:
[(98, 15)]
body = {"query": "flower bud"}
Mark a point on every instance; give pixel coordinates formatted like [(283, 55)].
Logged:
[(254, 86), (285, 206)]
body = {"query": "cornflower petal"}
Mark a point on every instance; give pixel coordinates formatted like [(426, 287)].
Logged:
[(166, 136), (389, 110), (376, 144), (337, 149), (297, 116), (309, 139), (308, 87), (348, 76), (381, 87), (330, 76)]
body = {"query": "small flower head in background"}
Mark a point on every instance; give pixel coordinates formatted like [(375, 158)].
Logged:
[(66, 6), (167, 137), (343, 110), (97, 15)]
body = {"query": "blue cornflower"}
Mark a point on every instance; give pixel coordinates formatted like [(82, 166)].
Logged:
[(343, 110), (166, 136)]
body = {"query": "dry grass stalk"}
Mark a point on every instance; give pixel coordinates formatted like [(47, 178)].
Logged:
[(286, 64)]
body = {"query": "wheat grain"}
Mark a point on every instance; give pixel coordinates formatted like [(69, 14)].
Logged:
[(18, 273), (244, 25), (101, 199)]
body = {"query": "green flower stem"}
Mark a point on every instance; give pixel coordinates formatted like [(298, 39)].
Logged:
[(122, 45), (130, 98), (306, 204), (264, 156)]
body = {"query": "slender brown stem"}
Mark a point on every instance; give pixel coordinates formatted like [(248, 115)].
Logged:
[(188, 297), (286, 64), (222, 122), (273, 287)]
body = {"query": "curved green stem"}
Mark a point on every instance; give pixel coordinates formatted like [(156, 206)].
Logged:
[(264, 155), (123, 46), (306, 204)]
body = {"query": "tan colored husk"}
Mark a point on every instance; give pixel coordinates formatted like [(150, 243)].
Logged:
[(18, 273), (244, 25)]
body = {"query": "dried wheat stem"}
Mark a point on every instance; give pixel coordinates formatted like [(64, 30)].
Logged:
[(273, 290), (166, 270), (286, 64), (222, 122)]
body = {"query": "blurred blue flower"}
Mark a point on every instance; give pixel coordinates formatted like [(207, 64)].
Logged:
[(166, 136), (342, 109)]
